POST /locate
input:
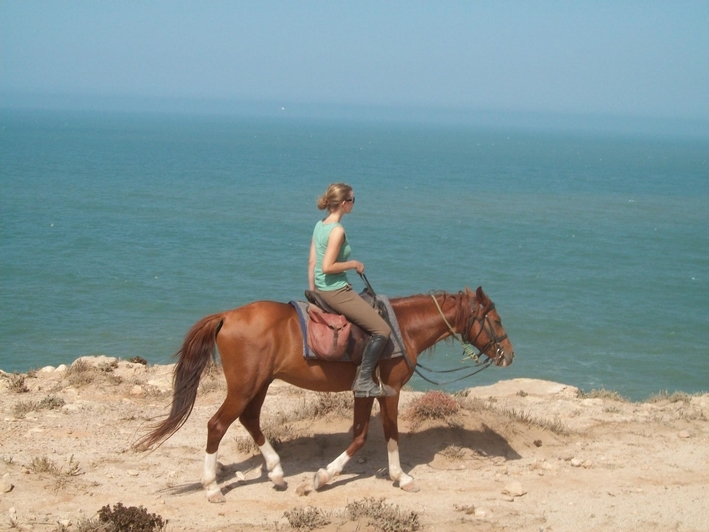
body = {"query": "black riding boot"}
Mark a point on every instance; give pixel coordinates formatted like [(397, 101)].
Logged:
[(363, 385)]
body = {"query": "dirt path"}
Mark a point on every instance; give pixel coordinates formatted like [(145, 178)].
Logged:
[(519, 455)]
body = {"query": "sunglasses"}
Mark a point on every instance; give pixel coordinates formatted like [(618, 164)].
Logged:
[(350, 200)]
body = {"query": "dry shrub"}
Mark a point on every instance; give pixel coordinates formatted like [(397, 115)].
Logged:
[(120, 518), (382, 516), (43, 464), (675, 397), (50, 402), (306, 519), (555, 425), (17, 383), (602, 394), (81, 373), (432, 405), (325, 404)]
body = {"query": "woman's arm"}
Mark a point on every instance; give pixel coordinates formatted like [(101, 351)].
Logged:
[(334, 243), (311, 266)]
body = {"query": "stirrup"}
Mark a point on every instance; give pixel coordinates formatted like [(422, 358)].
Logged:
[(380, 390)]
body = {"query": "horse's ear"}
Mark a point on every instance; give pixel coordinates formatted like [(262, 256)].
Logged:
[(481, 296), (469, 292)]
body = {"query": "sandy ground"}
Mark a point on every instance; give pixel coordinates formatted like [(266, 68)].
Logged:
[(520, 455)]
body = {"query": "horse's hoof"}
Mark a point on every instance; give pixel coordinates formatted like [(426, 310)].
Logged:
[(278, 481), (216, 497), (320, 479), (410, 487)]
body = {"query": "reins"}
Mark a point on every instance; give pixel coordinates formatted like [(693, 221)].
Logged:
[(468, 349)]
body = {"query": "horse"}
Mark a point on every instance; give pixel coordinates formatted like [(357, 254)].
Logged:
[(262, 341)]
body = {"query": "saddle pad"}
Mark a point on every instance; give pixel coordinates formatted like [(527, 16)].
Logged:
[(392, 350)]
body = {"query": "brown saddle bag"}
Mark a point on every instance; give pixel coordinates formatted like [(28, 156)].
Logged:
[(328, 334)]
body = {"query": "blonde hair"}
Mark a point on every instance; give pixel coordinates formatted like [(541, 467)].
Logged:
[(335, 194)]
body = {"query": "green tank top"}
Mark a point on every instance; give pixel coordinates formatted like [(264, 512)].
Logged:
[(330, 281)]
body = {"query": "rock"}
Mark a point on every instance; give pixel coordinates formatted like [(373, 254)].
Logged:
[(132, 473), (137, 391), (587, 464), (514, 489), (575, 462), (47, 369), (66, 523), (5, 485), (61, 368), (684, 434)]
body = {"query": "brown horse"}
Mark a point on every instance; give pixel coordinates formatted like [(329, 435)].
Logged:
[(262, 341)]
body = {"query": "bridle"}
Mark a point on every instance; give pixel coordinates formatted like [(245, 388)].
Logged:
[(469, 345)]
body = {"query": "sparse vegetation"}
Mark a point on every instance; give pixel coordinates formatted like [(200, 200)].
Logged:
[(305, 519), (81, 373), (602, 394), (121, 518), (17, 383), (385, 517), (453, 452), (432, 405), (50, 402), (674, 397)]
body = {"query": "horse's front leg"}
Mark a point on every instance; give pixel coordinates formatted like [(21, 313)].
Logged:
[(390, 411), (250, 419), (362, 414)]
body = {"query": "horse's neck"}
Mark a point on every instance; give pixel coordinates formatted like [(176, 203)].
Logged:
[(421, 321)]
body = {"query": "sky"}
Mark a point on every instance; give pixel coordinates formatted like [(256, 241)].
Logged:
[(616, 58)]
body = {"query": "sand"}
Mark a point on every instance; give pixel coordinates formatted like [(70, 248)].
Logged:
[(519, 455)]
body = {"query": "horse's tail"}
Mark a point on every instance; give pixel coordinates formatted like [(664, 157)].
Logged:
[(195, 355)]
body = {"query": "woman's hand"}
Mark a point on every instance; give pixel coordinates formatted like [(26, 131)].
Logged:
[(358, 266)]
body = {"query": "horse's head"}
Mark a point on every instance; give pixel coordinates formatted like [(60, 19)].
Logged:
[(485, 331)]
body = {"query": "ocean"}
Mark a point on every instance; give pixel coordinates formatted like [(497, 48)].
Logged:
[(119, 231)]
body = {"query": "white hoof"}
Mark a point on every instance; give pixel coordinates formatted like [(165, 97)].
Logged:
[(278, 480), (410, 486), (216, 496), (321, 478)]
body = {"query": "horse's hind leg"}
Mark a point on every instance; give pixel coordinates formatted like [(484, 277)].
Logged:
[(216, 428), (250, 420)]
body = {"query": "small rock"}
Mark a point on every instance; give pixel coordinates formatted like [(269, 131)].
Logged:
[(47, 369), (137, 390), (575, 462), (587, 464), (684, 434), (66, 523), (132, 473), (6, 486), (514, 489), (61, 368)]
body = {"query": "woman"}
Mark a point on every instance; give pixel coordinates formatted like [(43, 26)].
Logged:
[(329, 261)]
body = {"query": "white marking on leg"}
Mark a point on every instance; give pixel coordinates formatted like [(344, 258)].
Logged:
[(273, 464), (209, 478), (395, 472), (334, 468)]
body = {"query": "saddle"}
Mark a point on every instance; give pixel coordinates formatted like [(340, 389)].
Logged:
[(328, 335)]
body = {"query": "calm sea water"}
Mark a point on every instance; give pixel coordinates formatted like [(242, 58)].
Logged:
[(118, 232)]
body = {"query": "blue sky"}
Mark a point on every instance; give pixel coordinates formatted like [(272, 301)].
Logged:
[(619, 58)]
